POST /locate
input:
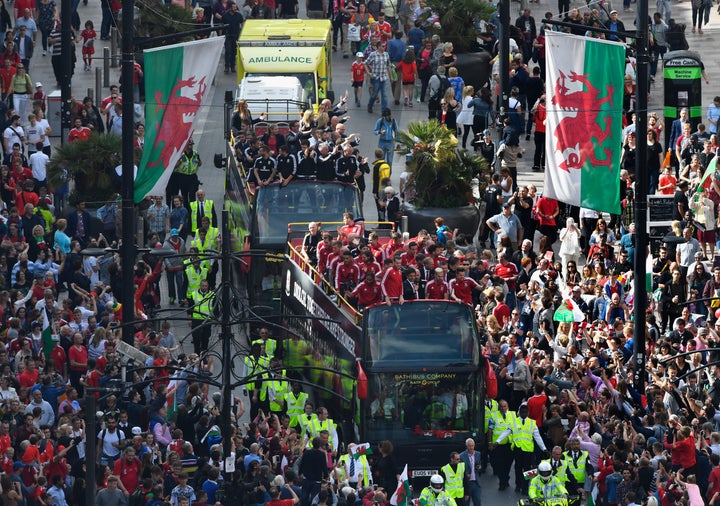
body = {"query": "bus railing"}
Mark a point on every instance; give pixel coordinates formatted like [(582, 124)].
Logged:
[(296, 256)]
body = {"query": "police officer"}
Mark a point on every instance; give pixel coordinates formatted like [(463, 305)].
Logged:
[(195, 271), (200, 310), (558, 463), (576, 461), (254, 366), (501, 420), (184, 180), (295, 401), (435, 494), (268, 345), (454, 476), (324, 423), (307, 420), (274, 387), (546, 486), (524, 430), (199, 208), (491, 407)]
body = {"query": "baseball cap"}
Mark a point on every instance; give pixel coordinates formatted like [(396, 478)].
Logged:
[(613, 12), (136, 431), (174, 231), (38, 84), (359, 54), (507, 205)]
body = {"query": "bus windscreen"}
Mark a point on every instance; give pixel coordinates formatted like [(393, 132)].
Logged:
[(421, 333), (300, 202)]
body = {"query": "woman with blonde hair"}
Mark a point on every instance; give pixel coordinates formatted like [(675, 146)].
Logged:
[(242, 118), (465, 118)]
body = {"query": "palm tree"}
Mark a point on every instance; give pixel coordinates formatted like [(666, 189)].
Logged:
[(458, 20), (90, 164), (439, 174)]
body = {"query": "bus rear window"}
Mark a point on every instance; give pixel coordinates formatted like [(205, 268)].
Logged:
[(421, 333)]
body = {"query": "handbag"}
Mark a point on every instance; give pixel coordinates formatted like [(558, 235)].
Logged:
[(354, 33), (393, 72)]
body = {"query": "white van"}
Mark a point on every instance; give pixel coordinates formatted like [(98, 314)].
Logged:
[(281, 98)]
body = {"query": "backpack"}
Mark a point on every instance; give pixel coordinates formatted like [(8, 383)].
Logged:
[(383, 170), (444, 85)]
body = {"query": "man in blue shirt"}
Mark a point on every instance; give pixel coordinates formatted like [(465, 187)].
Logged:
[(713, 115), (396, 51)]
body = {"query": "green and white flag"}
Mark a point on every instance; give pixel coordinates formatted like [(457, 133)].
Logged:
[(177, 82), (584, 96), (47, 342)]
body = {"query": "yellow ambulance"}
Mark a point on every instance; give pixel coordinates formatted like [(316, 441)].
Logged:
[(288, 47)]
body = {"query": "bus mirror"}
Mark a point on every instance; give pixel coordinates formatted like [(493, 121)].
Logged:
[(220, 161)]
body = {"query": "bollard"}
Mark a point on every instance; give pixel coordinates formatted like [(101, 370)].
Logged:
[(91, 93), (106, 67), (140, 231), (404, 223), (113, 47), (98, 85)]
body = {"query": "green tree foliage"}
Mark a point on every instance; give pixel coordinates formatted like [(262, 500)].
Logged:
[(155, 18), (439, 174), (457, 20), (90, 164)]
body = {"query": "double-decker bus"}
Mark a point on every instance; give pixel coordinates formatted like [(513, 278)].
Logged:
[(425, 375), (259, 222)]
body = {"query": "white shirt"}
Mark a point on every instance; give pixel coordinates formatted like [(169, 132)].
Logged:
[(45, 128), (38, 163), (13, 137), (34, 133)]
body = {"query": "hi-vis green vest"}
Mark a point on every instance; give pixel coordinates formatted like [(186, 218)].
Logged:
[(278, 387), (203, 303), (295, 406), (207, 211), (210, 242), (501, 424), (270, 346), (254, 368), (554, 488), (559, 468), (523, 434), (194, 276), (454, 480), (361, 465), (316, 426), (428, 497), (576, 466), (491, 407)]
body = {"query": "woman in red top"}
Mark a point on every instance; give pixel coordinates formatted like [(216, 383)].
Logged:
[(683, 450), (408, 73)]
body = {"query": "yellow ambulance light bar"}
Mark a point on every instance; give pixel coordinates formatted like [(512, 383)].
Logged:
[(280, 41)]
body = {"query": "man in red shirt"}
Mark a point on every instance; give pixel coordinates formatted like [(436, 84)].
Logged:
[(29, 377), (347, 274), (78, 357), (80, 132), (275, 497), (392, 283), (368, 264), (437, 288), (461, 287), (128, 469), (7, 72), (508, 271), (536, 404), (547, 210), (395, 245), (367, 292), (384, 27), (502, 311)]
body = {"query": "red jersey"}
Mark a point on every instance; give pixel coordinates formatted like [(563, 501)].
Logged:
[(79, 355), (358, 72), (5, 443), (129, 472), (392, 283), (502, 312), (59, 358), (6, 76), (436, 289), (332, 263), (385, 30), (391, 248), (535, 407), (7, 465), (366, 267), (546, 207), (28, 378), (377, 252), (436, 261), (323, 250), (462, 289), (367, 294), (507, 271), (346, 276), (79, 134)]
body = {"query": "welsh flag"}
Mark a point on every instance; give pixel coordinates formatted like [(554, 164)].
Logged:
[(177, 82), (584, 92), (358, 451), (47, 342), (402, 492)]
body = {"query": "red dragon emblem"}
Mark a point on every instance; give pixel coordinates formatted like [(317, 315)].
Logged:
[(177, 119), (578, 132)]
